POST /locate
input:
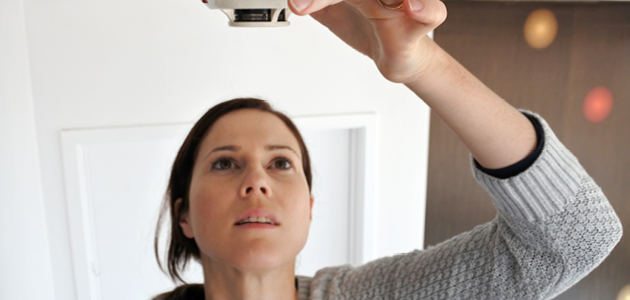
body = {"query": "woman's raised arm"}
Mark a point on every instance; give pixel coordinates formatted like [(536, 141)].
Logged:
[(495, 133)]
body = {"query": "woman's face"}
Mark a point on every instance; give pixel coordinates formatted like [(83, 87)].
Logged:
[(250, 205)]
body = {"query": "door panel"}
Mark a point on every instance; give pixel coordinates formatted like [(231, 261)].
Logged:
[(116, 179)]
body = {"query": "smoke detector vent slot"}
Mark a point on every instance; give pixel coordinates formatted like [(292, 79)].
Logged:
[(252, 15)]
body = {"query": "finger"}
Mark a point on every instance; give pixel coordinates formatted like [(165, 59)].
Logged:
[(305, 7), (372, 9)]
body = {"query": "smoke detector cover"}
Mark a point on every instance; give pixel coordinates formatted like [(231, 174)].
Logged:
[(253, 13)]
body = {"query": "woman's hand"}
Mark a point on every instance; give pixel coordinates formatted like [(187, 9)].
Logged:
[(395, 39)]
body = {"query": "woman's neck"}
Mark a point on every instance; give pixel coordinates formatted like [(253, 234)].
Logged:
[(223, 282)]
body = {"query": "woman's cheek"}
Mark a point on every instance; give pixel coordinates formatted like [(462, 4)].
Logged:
[(208, 211)]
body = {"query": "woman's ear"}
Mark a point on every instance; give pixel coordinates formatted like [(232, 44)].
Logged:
[(183, 220), (310, 214)]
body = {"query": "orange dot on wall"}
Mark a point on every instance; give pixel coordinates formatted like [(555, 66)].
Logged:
[(598, 104)]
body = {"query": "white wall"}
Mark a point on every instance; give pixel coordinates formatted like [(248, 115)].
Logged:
[(25, 269), (125, 63)]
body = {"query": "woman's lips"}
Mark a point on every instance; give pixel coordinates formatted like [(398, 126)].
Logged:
[(257, 226)]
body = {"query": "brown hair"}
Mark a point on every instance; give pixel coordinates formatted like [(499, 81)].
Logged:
[(181, 248)]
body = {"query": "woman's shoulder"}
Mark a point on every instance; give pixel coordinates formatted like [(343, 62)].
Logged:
[(183, 292)]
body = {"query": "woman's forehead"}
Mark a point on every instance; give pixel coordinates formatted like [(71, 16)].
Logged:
[(249, 127)]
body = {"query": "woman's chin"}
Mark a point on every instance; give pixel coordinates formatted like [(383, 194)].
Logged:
[(258, 257)]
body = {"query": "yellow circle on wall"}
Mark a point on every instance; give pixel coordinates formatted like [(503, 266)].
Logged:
[(624, 294), (541, 28)]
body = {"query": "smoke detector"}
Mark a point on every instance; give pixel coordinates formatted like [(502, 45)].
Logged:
[(253, 13)]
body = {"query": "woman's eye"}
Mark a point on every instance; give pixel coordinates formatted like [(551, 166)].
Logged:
[(281, 163), (223, 164)]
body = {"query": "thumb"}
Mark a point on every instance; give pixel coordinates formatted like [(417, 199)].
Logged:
[(430, 13)]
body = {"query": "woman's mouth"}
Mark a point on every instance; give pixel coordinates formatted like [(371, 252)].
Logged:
[(256, 220)]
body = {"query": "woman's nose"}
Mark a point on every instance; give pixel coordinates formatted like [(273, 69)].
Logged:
[(255, 184)]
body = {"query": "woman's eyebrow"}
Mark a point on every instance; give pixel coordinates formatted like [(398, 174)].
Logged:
[(226, 148), (222, 148), (279, 147)]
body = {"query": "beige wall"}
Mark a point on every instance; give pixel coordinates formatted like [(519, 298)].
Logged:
[(25, 266)]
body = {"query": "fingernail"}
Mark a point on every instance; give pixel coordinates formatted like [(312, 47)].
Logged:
[(415, 5), (300, 4)]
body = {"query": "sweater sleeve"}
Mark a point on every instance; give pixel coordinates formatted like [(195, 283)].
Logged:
[(554, 225)]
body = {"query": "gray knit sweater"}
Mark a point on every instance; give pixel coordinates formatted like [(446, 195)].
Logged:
[(554, 225)]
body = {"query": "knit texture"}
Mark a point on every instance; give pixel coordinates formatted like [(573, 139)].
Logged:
[(554, 225)]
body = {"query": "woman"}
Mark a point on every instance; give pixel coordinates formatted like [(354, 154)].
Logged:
[(239, 193)]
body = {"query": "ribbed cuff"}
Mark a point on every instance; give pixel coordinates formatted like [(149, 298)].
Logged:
[(544, 188)]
